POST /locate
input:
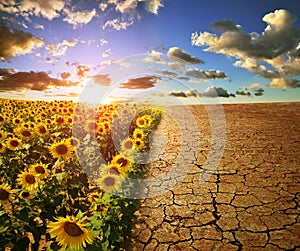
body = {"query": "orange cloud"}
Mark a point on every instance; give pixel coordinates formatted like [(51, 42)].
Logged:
[(37, 81), (140, 83), (81, 70), (104, 80)]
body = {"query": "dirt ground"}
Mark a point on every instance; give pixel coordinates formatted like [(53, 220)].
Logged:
[(246, 200)]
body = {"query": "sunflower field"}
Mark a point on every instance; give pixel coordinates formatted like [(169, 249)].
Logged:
[(69, 189)]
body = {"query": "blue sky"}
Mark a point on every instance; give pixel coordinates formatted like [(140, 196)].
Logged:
[(236, 50)]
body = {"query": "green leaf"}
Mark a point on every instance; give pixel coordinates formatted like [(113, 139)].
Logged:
[(3, 229), (79, 215)]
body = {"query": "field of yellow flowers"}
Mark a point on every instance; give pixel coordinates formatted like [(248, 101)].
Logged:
[(52, 198)]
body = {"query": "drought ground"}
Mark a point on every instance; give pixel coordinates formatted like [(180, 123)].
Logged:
[(249, 201)]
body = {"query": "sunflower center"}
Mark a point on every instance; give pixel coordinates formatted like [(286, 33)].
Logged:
[(72, 229), (42, 129), (40, 169), (61, 149), (30, 179), (141, 122), (1, 119), (59, 120), (4, 195), (26, 133), (92, 126), (14, 143), (139, 135), (25, 194), (109, 181), (128, 145), (122, 161)]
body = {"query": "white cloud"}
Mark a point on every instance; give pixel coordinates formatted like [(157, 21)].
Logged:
[(154, 56), (106, 53), (117, 24), (103, 42), (177, 53), (79, 18), (39, 26), (255, 86), (44, 8), (126, 6), (274, 54), (205, 74), (153, 6), (284, 83), (214, 92), (103, 6), (8, 6), (17, 42), (60, 48)]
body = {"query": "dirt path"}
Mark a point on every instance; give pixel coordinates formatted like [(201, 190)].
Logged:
[(249, 202)]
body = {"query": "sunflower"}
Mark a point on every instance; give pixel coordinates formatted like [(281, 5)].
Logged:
[(70, 232), (28, 180), (106, 126), (91, 126), (110, 182), (40, 170), (74, 142), (124, 163), (138, 134), (13, 144), (148, 119), (48, 121), (138, 144), (59, 120), (41, 129), (25, 195), (2, 135), (24, 133), (111, 169), (2, 148), (61, 150), (2, 119), (94, 197), (69, 120), (101, 130), (17, 121), (6, 194), (141, 122), (127, 145)]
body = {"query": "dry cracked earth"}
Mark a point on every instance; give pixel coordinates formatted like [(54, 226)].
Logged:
[(246, 200)]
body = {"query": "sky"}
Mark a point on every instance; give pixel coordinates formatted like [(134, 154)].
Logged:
[(157, 50)]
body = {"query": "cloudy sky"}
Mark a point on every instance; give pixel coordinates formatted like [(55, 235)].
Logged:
[(192, 50)]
